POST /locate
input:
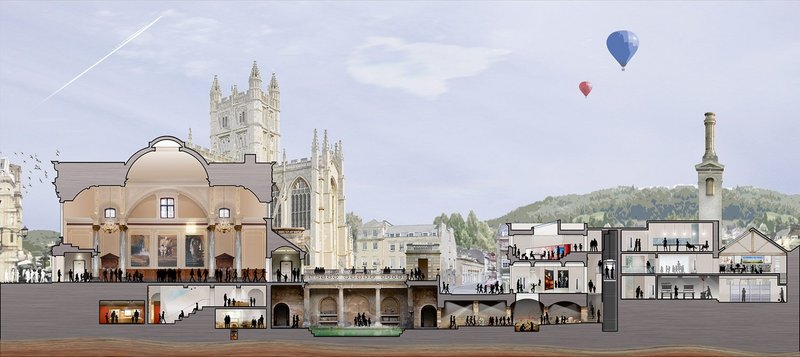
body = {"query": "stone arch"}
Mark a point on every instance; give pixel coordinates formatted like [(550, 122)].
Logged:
[(357, 304), (527, 310), (390, 306), (565, 308), (427, 316), (138, 199), (328, 306), (258, 295), (280, 315)]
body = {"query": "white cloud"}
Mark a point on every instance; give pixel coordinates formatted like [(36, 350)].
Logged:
[(420, 68)]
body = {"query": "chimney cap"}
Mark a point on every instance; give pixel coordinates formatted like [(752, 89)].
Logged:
[(710, 114)]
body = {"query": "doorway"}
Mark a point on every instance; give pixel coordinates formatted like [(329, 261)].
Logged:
[(78, 266), (428, 316), (281, 315), (422, 264)]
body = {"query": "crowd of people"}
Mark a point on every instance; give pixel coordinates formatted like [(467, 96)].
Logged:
[(113, 318), (741, 268), (415, 274), (676, 268), (546, 253), (295, 274), (521, 286), (495, 288), (27, 275), (361, 320)]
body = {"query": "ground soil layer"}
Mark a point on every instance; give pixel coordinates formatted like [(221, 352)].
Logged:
[(125, 347)]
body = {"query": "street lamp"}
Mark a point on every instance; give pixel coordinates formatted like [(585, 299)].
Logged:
[(23, 232)]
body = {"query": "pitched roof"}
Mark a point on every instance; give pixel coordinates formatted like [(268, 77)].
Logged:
[(752, 242)]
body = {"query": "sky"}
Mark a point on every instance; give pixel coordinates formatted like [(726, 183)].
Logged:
[(441, 106)]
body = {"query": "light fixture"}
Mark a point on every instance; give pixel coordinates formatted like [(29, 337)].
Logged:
[(110, 225)]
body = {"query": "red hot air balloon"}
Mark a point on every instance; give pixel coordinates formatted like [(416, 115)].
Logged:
[(586, 88)]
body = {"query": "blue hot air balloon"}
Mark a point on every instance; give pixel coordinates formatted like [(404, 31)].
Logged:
[(622, 45)]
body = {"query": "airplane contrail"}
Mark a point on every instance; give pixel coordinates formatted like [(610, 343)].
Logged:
[(129, 39)]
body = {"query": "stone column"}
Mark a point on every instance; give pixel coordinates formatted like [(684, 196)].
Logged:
[(411, 307), (378, 306), (438, 317), (340, 312), (123, 243), (306, 307), (96, 256), (237, 248), (210, 253)]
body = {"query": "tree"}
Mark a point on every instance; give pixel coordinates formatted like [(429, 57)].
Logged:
[(353, 222)]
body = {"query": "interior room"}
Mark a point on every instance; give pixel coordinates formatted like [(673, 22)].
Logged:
[(114, 312), (689, 287), (241, 318), (646, 284)]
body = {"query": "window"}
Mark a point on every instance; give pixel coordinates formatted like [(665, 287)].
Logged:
[(504, 262), (374, 233), (241, 118), (278, 217), (402, 247), (364, 246), (410, 235), (709, 186), (375, 245), (224, 213), (425, 234), (301, 204), (433, 234), (110, 213), (391, 247), (223, 122), (167, 207), (240, 142)]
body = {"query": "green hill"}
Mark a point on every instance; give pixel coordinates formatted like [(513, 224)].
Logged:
[(767, 210), (38, 241)]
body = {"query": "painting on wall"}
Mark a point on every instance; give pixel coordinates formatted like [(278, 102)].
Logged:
[(167, 251), (548, 280), (140, 250), (563, 279), (195, 254)]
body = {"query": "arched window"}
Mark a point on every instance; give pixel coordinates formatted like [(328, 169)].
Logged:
[(709, 186), (301, 204), (224, 213), (110, 213)]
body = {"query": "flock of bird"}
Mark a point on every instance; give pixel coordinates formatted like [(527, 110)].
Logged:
[(33, 169)]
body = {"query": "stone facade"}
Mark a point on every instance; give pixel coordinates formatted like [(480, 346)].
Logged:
[(381, 244), (310, 190), (10, 219), (709, 176)]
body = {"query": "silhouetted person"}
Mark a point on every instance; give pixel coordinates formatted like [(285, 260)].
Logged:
[(136, 316), (676, 292), (225, 299), (607, 275), (106, 316), (113, 317), (665, 244), (744, 292), (612, 272)]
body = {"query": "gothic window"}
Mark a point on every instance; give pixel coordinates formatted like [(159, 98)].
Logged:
[(167, 207), (241, 118), (110, 213), (709, 186), (301, 204), (224, 122)]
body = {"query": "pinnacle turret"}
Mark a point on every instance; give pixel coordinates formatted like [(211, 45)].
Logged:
[(314, 143), (273, 83), (255, 77)]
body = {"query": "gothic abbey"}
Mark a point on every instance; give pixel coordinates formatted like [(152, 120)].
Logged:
[(310, 205)]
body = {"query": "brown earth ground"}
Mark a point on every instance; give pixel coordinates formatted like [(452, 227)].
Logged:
[(124, 347)]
